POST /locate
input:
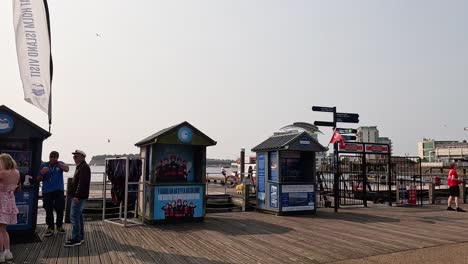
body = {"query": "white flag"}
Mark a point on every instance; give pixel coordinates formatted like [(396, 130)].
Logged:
[(31, 21)]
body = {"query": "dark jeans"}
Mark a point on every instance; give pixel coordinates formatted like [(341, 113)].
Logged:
[(76, 218), (54, 200)]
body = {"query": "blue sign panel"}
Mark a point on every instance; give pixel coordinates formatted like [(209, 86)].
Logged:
[(297, 198), (178, 202), (6, 123), (261, 172), (24, 203), (274, 196), (185, 134), (273, 160), (304, 141)]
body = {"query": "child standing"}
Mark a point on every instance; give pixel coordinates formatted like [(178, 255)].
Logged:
[(9, 177)]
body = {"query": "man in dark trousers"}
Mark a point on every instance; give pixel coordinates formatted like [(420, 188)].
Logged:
[(51, 175), (80, 193)]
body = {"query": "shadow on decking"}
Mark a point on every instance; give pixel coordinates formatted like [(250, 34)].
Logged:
[(229, 226), (355, 217), (144, 254)]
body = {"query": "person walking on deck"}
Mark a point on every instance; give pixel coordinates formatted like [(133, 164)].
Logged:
[(80, 192), (9, 178), (454, 188), (51, 175)]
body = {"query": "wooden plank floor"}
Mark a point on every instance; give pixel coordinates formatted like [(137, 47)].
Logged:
[(253, 237)]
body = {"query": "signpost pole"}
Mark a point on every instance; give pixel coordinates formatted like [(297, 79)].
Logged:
[(336, 168)]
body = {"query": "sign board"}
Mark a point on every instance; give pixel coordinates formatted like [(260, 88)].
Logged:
[(349, 138), (343, 131), (323, 109), (347, 117), (297, 197), (347, 120), (376, 149), (351, 147), (324, 123), (178, 202)]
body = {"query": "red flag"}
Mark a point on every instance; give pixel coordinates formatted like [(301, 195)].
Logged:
[(337, 137)]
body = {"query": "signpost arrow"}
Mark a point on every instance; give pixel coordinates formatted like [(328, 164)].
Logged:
[(347, 119), (346, 130), (347, 115), (323, 109), (324, 123), (349, 138)]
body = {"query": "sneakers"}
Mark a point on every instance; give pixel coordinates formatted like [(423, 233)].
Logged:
[(61, 230), (8, 256), (49, 232), (450, 209), (72, 243), (460, 210)]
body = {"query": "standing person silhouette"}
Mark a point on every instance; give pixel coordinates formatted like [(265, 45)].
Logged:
[(9, 177), (80, 192), (250, 172), (51, 175), (454, 188)]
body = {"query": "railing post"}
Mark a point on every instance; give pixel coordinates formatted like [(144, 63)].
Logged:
[(463, 191), (431, 193), (246, 196), (68, 201)]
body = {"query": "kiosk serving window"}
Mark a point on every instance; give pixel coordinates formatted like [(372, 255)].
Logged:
[(292, 166)]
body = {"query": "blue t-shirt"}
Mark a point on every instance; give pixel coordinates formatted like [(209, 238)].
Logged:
[(53, 179)]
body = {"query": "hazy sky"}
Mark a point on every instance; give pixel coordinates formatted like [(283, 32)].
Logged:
[(240, 70)]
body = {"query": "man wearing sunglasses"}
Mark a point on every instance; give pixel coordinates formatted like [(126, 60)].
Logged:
[(51, 175), (80, 192)]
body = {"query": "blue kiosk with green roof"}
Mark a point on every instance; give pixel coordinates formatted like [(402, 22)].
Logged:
[(174, 169), (23, 139), (286, 173)]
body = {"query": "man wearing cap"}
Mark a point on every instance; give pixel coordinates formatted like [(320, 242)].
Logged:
[(51, 175), (80, 192)]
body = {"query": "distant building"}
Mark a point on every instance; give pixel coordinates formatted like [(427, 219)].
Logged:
[(371, 134), (367, 134), (431, 150)]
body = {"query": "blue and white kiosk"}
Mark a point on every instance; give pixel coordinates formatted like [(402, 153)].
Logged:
[(286, 173), (174, 169), (22, 139)]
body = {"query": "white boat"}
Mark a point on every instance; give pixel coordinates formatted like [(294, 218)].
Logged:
[(249, 162)]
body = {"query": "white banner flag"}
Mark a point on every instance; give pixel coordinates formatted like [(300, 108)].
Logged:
[(31, 20)]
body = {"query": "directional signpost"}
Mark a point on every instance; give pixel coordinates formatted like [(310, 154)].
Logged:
[(337, 118)]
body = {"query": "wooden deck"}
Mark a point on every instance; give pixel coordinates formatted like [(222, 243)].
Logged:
[(253, 237)]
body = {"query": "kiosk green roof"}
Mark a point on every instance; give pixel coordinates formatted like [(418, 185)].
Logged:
[(183, 133), (290, 141)]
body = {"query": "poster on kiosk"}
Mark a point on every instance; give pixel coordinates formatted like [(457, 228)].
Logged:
[(22, 139)]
